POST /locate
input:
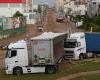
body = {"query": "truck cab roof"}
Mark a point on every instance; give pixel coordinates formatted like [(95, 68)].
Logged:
[(76, 35), (18, 44)]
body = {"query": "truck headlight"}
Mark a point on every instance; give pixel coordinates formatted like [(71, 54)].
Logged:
[(6, 67), (48, 61)]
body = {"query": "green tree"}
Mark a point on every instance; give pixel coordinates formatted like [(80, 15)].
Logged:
[(87, 22), (17, 14), (92, 22)]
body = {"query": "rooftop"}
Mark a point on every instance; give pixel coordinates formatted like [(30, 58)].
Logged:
[(47, 36)]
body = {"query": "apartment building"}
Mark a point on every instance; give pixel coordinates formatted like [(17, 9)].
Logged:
[(9, 7)]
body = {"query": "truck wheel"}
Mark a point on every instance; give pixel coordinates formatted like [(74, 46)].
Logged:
[(51, 69), (81, 57), (94, 55), (17, 71)]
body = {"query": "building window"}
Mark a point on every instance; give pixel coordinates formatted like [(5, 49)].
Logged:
[(13, 53)]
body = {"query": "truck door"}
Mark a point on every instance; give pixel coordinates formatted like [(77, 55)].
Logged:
[(11, 58)]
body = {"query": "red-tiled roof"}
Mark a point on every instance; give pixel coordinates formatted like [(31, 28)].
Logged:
[(12, 1)]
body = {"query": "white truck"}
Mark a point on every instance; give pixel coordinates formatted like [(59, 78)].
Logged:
[(82, 45), (40, 54), (75, 46)]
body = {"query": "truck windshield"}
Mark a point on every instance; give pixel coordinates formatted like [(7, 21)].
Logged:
[(11, 53), (70, 43)]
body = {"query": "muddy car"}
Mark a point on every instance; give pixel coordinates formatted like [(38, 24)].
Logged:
[(60, 19)]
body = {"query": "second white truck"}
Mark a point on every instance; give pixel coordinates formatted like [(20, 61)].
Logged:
[(82, 45), (75, 46)]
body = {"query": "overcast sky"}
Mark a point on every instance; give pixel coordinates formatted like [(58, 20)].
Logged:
[(50, 2)]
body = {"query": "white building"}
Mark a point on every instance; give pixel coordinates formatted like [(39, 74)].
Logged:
[(72, 8), (92, 7), (60, 6), (9, 7), (31, 18), (69, 7)]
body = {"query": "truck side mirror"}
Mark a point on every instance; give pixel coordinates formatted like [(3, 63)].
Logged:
[(9, 55), (76, 44), (79, 44)]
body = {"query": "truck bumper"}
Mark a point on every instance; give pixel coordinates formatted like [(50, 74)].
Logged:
[(69, 57), (9, 72)]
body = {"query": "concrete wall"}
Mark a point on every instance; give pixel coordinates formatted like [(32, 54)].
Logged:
[(31, 18), (8, 12), (72, 9), (81, 9), (9, 9), (92, 7)]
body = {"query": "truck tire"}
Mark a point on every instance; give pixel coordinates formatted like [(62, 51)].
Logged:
[(17, 71), (81, 57), (94, 55), (89, 54), (51, 69)]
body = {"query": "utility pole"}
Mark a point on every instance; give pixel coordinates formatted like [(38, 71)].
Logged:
[(76, 14), (91, 29), (61, 8)]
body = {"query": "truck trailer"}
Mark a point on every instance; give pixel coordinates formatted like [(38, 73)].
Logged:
[(37, 55), (82, 45), (92, 44)]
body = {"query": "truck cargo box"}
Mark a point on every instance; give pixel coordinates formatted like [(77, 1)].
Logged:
[(47, 48), (92, 42)]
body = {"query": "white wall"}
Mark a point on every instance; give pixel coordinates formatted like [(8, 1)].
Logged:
[(92, 7), (81, 9), (7, 9), (33, 20), (76, 9), (8, 12), (95, 0), (69, 5)]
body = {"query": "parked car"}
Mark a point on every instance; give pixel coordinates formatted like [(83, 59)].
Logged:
[(40, 28), (60, 19)]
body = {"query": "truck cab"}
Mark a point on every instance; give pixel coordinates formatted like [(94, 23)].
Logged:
[(75, 46), (16, 56), (17, 59)]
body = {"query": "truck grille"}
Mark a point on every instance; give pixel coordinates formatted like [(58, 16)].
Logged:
[(68, 54)]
